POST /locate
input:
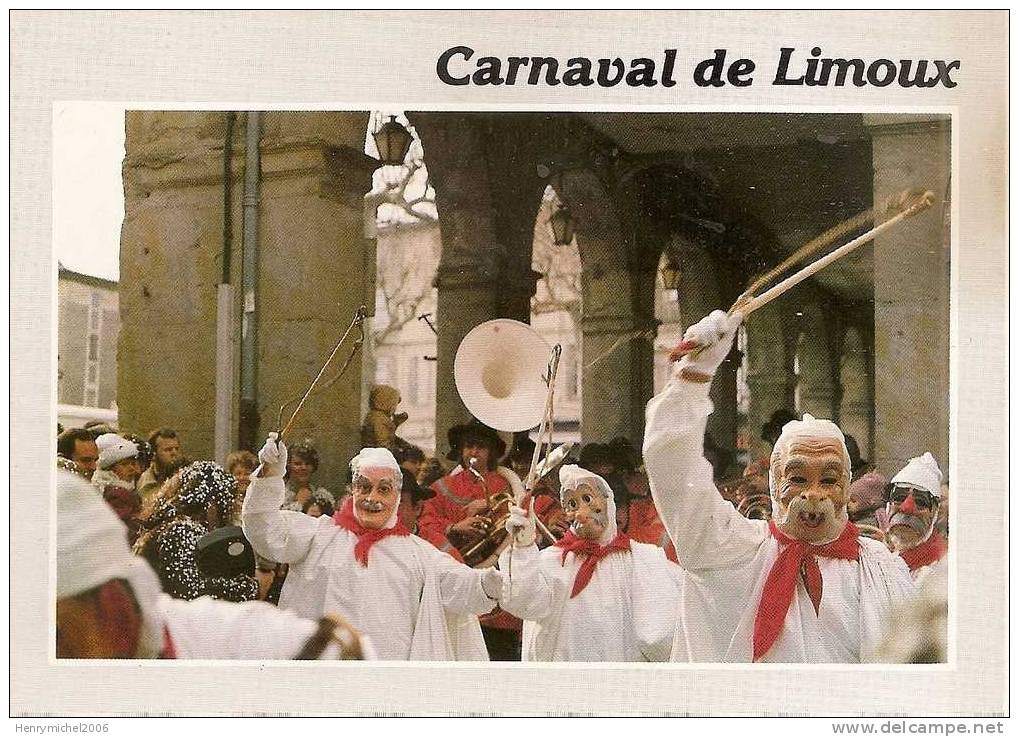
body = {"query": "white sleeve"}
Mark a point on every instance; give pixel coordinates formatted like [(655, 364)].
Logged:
[(527, 593), (209, 629), (459, 585), (707, 531), (282, 536)]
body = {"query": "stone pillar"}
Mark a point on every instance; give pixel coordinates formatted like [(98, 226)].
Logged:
[(911, 293), (616, 387), (315, 269), (818, 390), (700, 294), (170, 263), (313, 272), (468, 279), (856, 413), (769, 369)]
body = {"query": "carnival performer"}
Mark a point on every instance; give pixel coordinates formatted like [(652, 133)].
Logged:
[(802, 587), (912, 510), (198, 499), (596, 595), (455, 518), (110, 605), (413, 601)]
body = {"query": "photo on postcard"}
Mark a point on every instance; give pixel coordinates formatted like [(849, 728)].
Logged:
[(454, 322)]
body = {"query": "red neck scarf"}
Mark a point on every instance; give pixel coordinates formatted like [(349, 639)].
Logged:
[(592, 552), (169, 652), (365, 538), (796, 558), (929, 551)]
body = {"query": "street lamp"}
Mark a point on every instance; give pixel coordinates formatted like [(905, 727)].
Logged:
[(393, 142)]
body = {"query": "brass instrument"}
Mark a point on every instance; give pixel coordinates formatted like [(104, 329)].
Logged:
[(505, 379), (755, 506), (486, 551)]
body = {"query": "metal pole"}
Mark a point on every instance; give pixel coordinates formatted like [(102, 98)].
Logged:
[(225, 426), (249, 280)]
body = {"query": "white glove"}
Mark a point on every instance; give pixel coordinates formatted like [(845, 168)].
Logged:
[(491, 583), (273, 458), (521, 526), (705, 345)]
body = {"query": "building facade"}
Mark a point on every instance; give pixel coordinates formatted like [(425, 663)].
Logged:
[(722, 196), (88, 329)]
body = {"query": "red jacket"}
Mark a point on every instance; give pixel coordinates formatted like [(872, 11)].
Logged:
[(646, 526), (453, 493)]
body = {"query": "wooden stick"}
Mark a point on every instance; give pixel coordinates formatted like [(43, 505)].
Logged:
[(755, 303)]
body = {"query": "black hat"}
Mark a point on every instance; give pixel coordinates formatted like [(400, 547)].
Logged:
[(458, 434), (418, 493), (225, 553)]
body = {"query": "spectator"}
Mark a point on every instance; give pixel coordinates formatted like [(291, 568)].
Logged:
[(79, 445), (301, 466), (115, 478), (859, 465), (166, 453), (190, 504), (144, 449), (318, 507), (241, 464), (412, 495)]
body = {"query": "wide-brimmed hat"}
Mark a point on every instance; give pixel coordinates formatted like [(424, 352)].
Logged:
[(458, 434)]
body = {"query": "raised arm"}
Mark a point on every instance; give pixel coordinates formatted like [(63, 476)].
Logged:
[(707, 531), (527, 592), (284, 537)]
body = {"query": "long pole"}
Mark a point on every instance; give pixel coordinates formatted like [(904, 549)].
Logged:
[(249, 281)]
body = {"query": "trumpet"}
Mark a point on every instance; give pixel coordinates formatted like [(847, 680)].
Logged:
[(485, 552)]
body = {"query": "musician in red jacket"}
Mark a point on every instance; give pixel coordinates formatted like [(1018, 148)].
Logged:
[(454, 519)]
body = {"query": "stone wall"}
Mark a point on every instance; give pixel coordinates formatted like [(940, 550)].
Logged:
[(313, 271)]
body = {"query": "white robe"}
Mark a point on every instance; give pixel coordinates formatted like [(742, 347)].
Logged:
[(727, 558), (413, 601), (939, 567), (208, 629), (626, 613)]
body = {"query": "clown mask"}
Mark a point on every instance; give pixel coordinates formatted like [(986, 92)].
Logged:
[(376, 496), (810, 482), (586, 511), (911, 515)]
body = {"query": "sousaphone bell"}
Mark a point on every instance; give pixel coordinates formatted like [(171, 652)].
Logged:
[(500, 373)]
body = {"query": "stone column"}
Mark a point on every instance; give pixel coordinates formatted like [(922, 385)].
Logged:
[(769, 368), (313, 271), (911, 293), (468, 279), (818, 390), (616, 387), (856, 415)]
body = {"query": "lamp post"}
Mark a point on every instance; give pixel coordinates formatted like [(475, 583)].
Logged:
[(393, 141)]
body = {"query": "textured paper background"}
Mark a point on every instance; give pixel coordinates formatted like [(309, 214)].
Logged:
[(246, 60)]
